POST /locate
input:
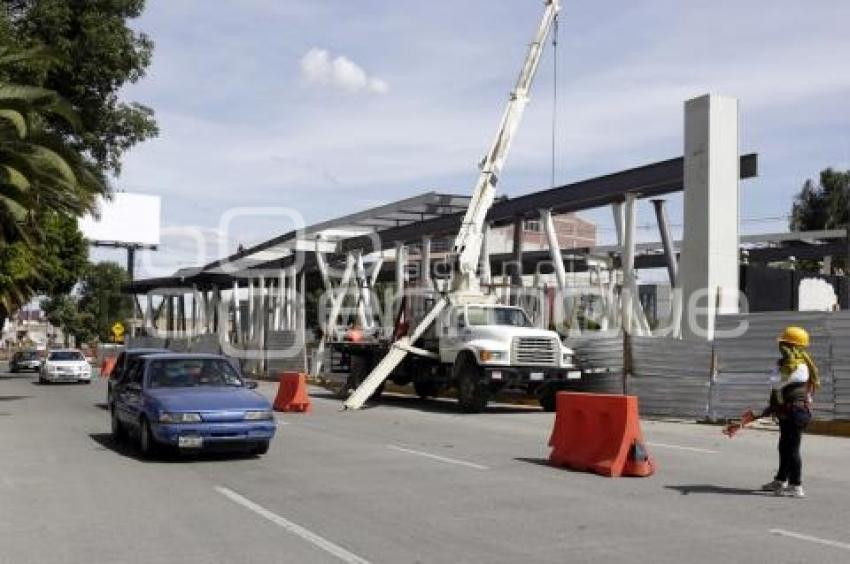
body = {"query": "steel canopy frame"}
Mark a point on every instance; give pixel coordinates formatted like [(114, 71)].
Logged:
[(646, 181)]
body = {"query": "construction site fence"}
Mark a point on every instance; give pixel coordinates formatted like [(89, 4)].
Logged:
[(720, 379)]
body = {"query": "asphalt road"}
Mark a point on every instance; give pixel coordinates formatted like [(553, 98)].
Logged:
[(407, 481)]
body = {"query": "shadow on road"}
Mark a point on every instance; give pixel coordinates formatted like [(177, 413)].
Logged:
[(13, 398), (129, 449), (435, 405), (11, 376), (103, 406), (711, 489)]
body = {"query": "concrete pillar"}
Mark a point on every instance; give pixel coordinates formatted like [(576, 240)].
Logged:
[(708, 266)]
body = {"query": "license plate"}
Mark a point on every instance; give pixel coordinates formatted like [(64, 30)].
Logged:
[(190, 442), (535, 376), (574, 375), (496, 375)]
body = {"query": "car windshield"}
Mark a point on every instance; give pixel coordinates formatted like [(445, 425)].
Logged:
[(66, 355), (191, 372), (497, 316), (29, 355)]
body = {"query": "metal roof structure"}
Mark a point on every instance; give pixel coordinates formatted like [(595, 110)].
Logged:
[(418, 209), (435, 214)]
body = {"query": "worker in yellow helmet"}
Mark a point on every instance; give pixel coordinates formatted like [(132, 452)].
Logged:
[(795, 381)]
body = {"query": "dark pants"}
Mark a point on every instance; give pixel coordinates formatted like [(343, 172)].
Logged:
[(791, 427)]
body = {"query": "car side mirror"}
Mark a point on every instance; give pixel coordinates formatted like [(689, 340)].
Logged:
[(251, 384)]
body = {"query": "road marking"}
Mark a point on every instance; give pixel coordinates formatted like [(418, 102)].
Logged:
[(687, 448), (282, 423), (440, 458), (800, 536), (293, 528)]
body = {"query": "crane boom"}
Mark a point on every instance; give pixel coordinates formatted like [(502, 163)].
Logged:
[(467, 246)]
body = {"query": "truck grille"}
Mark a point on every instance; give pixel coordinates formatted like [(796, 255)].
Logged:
[(534, 351)]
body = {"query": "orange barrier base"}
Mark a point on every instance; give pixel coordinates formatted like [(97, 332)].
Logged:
[(599, 433), (292, 393), (107, 366)]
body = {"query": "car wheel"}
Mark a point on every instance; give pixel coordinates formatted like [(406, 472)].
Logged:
[(147, 442), (472, 390), (261, 448), (118, 433)]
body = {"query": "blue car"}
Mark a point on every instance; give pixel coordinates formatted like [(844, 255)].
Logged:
[(189, 402)]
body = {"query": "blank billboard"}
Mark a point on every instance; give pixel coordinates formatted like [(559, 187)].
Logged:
[(126, 218)]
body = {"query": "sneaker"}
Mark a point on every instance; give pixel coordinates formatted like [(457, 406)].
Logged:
[(774, 486), (792, 491)]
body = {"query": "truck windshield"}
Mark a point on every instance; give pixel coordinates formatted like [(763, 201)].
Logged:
[(497, 316)]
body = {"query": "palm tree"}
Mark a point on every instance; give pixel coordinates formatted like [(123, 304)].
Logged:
[(40, 174), (39, 171)]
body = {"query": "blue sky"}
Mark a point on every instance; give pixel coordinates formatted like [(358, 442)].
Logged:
[(329, 107)]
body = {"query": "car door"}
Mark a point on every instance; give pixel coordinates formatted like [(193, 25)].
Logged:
[(128, 393)]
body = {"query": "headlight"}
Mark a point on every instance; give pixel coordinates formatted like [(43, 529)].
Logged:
[(166, 417), (258, 415), (491, 356)]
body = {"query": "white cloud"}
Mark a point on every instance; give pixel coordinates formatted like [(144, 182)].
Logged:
[(317, 67)]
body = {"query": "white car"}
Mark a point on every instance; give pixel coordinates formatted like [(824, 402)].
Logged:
[(67, 365)]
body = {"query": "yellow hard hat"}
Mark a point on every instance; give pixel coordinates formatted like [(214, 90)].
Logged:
[(795, 336)]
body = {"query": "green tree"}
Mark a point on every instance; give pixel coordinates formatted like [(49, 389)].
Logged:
[(101, 301), (105, 56), (822, 205)]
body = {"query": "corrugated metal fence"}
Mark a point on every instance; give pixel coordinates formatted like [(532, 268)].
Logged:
[(694, 379)]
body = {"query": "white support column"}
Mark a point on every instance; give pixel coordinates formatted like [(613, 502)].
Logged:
[(364, 302), (149, 320), (628, 265), (237, 314), (708, 266), (400, 263), (251, 313), (260, 318), (554, 248), (425, 263), (291, 299), (337, 297)]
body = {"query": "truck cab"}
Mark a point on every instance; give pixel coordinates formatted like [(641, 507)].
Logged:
[(491, 347)]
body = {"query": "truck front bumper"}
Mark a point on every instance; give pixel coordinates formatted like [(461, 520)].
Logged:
[(513, 376)]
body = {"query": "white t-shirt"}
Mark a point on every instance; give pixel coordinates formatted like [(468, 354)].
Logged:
[(800, 375)]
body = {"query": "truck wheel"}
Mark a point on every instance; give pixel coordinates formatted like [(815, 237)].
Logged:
[(426, 388), (472, 390)]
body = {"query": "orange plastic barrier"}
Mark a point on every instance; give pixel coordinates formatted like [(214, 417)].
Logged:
[(107, 365), (599, 433), (292, 393)]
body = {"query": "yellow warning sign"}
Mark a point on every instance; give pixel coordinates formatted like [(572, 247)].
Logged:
[(118, 332)]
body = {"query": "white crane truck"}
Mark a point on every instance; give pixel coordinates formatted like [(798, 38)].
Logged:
[(467, 340)]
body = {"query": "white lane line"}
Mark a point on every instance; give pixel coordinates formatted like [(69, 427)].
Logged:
[(800, 536), (293, 528), (687, 448), (282, 423), (440, 458)]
